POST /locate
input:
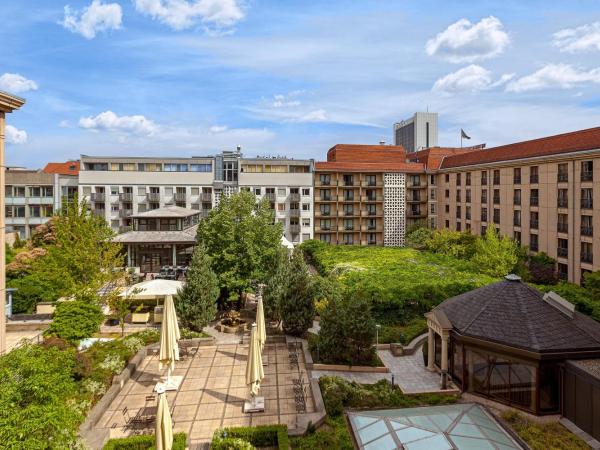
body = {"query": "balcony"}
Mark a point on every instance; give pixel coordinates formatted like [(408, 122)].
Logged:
[(533, 224), (587, 176), (347, 198), (349, 212), (587, 203), (153, 197), (415, 199), (99, 212), (324, 213), (562, 252), (587, 231), (326, 198), (587, 257), (204, 213), (179, 196), (295, 197), (294, 228), (563, 203), (534, 201), (516, 222), (369, 213), (347, 228), (294, 213), (348, 183), (370, 184), (98, 196), (206, 197), (562, 177), (371, 198), (320, 182), (126, 197), (125, 212), (416, 213), (270, 196), (562, 227), (496, 180), (534, 179)]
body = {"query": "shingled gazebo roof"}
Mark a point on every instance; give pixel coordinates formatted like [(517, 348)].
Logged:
[(515, 314)]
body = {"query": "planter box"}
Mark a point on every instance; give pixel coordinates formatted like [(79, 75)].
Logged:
[(342, 368), (140, 317), (233, 328), (45, 308)]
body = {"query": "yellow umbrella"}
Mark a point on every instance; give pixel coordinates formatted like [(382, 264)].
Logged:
[(254, 367), (164, 424), (169, 335), (261, 331)]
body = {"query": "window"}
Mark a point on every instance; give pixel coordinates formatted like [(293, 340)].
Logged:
[(562, 250), (458, 226), (587, 228), (432, 180), (348, 210), (587, 171), (447, 209), (484, 197), (517, 237), (496, 215), (325, 195), (586, 253), (517, 218), (468, 180), (432, 194), (306, 222), (533, 175), (563, 271), (496, 177), (305, 206), (325, 238), (348, 224), (348, 239), (114, 190), (447, 224), (534, 199), (447, 178), (306, 192), (348, 195), (447, 193), (517, 197), (517, 175), (35, 191), (348, 180), (496, 196), (432, 208), (458, 211), (34, 211), (281, 192), (458, 179), (458, 196), (371, 224), (533, 242), (562, 225), (201, 167), (483, 230), (126, 167), (370, 180), (325, 224), (587, 201), (563, 173), (468, 196), (325, 179), (468, 213), (483, 178), (325, 210), (371, 209), (484, 214), (563, 198), (534, 220)]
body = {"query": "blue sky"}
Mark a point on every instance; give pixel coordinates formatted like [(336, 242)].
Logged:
[(194, 77)]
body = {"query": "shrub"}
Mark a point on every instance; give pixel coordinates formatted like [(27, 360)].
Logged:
[(458, 244), (75, 320), (542, 269), (231, 444), (144, 442), (339, 393), (402, 334), (419, 237), (332, 435), (259, 436), (297, 308), (495, 255)]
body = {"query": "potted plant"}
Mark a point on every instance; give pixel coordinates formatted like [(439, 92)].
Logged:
[(140, 315)]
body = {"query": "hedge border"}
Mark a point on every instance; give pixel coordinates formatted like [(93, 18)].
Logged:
[(259, 436), (144, 442)]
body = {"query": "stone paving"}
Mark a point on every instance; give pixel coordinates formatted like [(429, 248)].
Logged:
[(212, 393)]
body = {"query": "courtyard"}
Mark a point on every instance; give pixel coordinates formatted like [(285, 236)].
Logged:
[(212, 393)]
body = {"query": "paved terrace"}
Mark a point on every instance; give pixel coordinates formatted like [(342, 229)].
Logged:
[(212, 392)]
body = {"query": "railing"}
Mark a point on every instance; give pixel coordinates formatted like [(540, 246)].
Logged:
[(587, 231), (587, 176), (179, 196), (206, 197), (98, 196), (324, 213), (294, 228), (326, 198), (153, 196), (496, 180), (126, 197), (562, 177), (533, 224), (534, 179), (562, 252), (369, 184), (270, 196), (294, 197), (496, 200), (125, 212), (562, 227), (348, 183), (587, 203), (349, 212), (534, 201), (587, 257), (516, 180), (294, 213), (563, 203)]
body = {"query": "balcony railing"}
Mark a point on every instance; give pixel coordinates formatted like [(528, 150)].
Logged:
[(534, 201), (294, 228), (534, 179), (516, 222), (533, 224), (153, 197), (517, 180), (349, 212), (126, 197), (98, 196), (294, 197), (179, 196), (562, 252), (325, 213), (294, 213), (587, 231), (563, 203), (562, 177), (562, 227), (125, 212), (270, 196), (587, 176), (348, 182), (587, 257), (587, 203), (206, 197), (369, 183), (323, 183)]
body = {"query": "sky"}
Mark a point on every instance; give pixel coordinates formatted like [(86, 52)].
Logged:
[(288, 77)]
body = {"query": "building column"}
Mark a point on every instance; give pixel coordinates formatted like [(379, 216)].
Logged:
[(129, 264), (174, 254), (430, 350), (444, 353)]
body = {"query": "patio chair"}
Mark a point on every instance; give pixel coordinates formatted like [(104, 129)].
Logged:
[(132, 422)]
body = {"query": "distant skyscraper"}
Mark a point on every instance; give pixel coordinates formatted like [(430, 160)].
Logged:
[(418, 132)]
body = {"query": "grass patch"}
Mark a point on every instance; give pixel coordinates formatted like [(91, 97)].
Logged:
[(333, 434), (549, 436)]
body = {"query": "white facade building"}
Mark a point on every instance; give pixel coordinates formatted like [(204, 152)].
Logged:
[(418, 132)]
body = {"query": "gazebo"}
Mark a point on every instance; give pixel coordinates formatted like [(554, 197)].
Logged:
[(509, 342)]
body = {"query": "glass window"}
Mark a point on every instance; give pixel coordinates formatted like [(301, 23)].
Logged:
[(281, 192), (201, 167), (141, 190), (305, 192)]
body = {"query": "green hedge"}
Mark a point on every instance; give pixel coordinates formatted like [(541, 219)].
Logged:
[(259, 436), (144, 442)]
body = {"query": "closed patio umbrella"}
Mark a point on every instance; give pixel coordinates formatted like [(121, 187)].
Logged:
[(169, 335), (261, 331), (164, 424), (254, 367)]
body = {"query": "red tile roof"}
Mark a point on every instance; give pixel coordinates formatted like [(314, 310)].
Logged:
[(66, 168), (433, 157), (366, 153), (552, 145)]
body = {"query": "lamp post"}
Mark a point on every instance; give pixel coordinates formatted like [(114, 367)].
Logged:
[(377, 327)]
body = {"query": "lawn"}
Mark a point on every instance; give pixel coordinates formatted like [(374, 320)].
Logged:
[(402, 283)]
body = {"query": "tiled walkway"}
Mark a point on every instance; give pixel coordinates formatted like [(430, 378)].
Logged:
[(212, 392)]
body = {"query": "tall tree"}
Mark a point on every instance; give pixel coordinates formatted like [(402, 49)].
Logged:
[(495, 255), (275, 288), (196, 302), (297, 305), (242, 239)]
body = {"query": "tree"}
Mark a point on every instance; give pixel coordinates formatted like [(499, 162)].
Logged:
[(196, 302), (76, 320), (452, 243), (591, 281), (419, 237), (297, 307), (347, 331), (242, 239), (495, 255), (120, 305), (275, 288)]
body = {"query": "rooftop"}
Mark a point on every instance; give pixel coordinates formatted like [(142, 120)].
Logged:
[(513, 313), (166, 212), (65, 168), (551, 145), (158, 237), (368, 158)]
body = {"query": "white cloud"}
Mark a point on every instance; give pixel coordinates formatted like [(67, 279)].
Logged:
[(464, 41), (287, 100), (218, 128), (182, 14), (109, 121), (472, 78), (579, 39), (93, 19), (64, 124), (318, 115), (13, 82), (560, 76), (15, 136)]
